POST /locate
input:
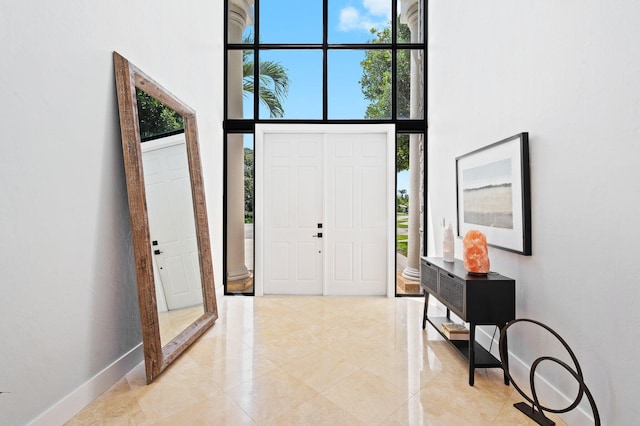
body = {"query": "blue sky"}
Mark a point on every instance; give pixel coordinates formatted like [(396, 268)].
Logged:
[(293, 21)]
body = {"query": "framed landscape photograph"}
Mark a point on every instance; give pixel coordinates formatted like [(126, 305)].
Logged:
[(493, 193)]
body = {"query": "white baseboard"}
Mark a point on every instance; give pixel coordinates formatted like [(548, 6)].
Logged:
[(519, 370), (72, 404)]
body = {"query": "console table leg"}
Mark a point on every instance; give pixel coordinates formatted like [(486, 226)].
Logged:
[(424, 314), (472, 352), (506, 361)]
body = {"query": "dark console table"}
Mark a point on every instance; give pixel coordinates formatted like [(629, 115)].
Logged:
[(478, 300)]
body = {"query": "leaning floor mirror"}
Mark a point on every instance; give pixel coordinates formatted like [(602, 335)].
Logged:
[(174, 270)]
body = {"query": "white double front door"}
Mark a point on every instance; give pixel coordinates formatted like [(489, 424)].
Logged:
[(325, 209)]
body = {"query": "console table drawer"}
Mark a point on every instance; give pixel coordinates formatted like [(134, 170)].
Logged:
[(451, 293), (429, 276)]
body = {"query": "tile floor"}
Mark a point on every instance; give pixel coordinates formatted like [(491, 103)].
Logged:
[(312, 361)]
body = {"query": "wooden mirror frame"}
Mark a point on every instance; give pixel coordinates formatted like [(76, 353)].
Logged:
[(156, 357)]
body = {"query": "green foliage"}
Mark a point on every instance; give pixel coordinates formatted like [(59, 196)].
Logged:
[(248, 185), (402, 204), (376, 84), (274, 81), (154, 117), (401, 247), (376, 75), (402, 152)]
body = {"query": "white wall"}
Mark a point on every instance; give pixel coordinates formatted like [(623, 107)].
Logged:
[(68, 303), (568, 73)]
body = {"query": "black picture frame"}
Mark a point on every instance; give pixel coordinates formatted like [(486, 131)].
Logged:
[(493, 193)]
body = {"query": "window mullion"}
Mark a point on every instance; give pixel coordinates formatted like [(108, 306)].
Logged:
[(256, 60), (325, 56), (394, 61)]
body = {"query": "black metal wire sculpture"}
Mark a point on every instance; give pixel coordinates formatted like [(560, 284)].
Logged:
[(536, 410)]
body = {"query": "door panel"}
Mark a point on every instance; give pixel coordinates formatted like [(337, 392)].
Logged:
[(343, 262), (372, 267), (356, 170), (293, 209)]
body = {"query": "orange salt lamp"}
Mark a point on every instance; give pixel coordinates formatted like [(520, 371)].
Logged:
[(476, 254)]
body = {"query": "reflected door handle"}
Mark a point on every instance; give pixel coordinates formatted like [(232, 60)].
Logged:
[(318, 235), (156, 252)]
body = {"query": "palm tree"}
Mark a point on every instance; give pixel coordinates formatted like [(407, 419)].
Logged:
[(274, 81)]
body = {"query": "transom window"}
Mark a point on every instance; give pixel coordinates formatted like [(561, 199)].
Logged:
[(324, 60)]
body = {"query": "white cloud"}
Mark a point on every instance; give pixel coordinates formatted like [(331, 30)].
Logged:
[(378, 7), (351, 19)]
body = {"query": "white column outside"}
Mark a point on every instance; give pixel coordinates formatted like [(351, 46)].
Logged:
[(410, 15), (236, 268)]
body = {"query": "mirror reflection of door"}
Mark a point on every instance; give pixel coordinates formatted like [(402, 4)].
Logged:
[(171, 217)]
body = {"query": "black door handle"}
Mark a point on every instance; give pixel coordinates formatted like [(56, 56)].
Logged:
[(157, 252), (319, 235)]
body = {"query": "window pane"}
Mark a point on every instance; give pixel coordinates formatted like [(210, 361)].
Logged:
[(345, 97), (291, 84), (239, 214), (352, 22), (410, 14), (359, 84), (291, 21), (410, 102), (409, 209), (240, 84)]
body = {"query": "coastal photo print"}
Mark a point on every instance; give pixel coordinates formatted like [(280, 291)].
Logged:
[(493, 194)]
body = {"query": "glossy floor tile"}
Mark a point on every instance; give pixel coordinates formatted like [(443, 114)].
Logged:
[(312, 361)]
